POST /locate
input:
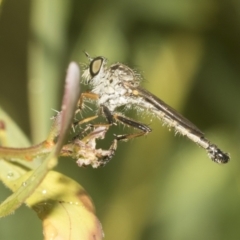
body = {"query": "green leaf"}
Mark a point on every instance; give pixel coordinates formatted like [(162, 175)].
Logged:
[(23, 189), (65, 208)]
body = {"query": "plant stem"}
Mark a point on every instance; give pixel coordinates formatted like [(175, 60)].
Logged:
[(27, 154)]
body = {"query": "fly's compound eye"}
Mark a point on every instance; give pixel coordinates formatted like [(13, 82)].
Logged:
[(95, 66)]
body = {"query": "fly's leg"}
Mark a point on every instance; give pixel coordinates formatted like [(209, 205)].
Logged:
[(108, 115), (85, 120), (86, 95), (144, 129), (80, 106), (111, 118)]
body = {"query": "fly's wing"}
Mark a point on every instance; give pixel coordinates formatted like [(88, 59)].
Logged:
[(163, 107)]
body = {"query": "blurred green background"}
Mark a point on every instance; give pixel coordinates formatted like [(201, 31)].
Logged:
[(156, 187)]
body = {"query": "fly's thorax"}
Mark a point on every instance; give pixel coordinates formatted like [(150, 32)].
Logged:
[(112, 96), (123, 72)]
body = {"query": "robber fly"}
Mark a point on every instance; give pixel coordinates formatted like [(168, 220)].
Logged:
[(118, 85)]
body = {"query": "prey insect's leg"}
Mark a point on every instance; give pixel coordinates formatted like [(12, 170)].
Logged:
[(105, 157), (127, 121)]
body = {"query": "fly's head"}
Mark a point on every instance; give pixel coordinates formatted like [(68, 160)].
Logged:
[(95, 73), (98, 73)]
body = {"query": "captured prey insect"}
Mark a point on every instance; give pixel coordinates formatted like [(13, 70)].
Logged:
[(83, 148), (118, 85)]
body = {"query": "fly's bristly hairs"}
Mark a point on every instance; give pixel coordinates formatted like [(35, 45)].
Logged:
[(118, 85)]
